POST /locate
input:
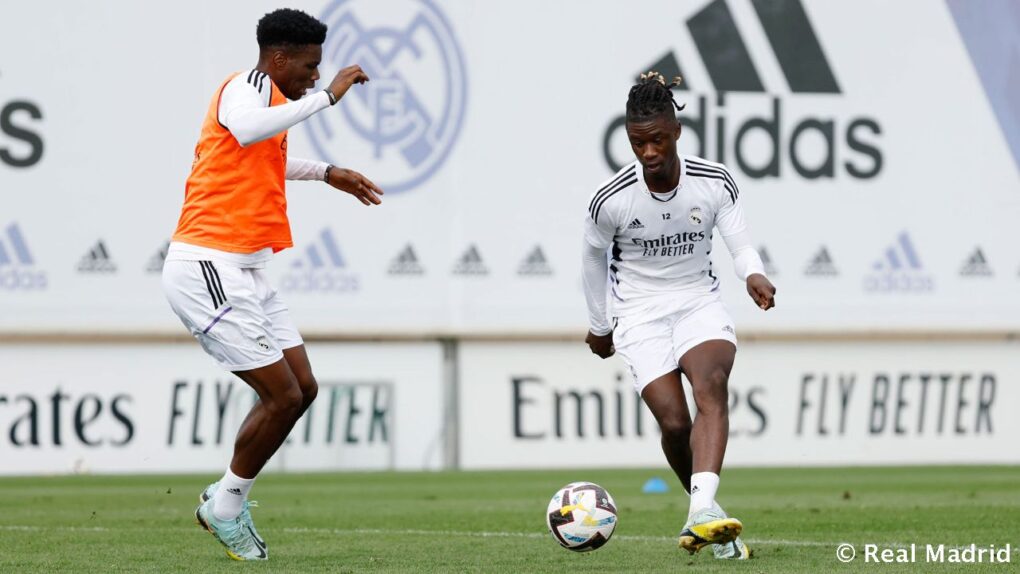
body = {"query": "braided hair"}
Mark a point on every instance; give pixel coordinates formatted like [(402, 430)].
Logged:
[(651, 96)]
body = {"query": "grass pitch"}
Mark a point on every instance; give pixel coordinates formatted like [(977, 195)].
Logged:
[(494, 521)]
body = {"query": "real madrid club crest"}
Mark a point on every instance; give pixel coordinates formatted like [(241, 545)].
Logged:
[(405, 121), (695, 216)]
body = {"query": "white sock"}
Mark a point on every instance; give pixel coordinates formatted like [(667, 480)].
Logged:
[(703, 488), (230, 495)]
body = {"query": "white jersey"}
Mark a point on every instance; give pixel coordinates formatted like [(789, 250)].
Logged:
[(661, 242)]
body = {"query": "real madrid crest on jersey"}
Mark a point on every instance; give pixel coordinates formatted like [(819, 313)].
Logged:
[(695, 216)]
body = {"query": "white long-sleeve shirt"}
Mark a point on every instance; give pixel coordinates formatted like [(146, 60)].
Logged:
[(660, 243), (244, 110)]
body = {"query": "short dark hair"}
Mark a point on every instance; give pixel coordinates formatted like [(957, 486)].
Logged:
[(651, 96), (287, 28)]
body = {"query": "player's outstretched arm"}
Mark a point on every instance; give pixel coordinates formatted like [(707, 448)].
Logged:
[(355, 184), (246, 112), (762, 291)]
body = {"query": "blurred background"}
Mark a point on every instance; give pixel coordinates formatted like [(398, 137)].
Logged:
[(876, 146)]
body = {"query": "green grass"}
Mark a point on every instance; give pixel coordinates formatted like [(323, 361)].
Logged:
[(494, 521)]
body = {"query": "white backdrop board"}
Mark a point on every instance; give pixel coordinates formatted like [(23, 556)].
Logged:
[(558, 406), (169, 408), (873, 163)]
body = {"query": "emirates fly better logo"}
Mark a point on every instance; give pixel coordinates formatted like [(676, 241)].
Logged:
[(406, 119), (809, 145)]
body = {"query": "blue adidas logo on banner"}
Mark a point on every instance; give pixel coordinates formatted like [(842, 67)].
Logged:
[(899, 270), (326, 246), (321, 268), (17, 272)]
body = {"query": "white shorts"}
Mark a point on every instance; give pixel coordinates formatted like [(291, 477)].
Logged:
[(233, 312), (653, 348)]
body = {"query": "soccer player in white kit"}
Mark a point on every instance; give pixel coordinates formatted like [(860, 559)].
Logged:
[(657, 215)]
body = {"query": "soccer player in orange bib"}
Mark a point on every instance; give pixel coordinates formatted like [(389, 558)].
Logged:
[(233, 220)]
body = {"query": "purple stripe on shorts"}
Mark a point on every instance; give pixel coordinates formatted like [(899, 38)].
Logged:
[(217, 319)]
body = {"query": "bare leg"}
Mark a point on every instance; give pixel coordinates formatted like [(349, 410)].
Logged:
[(269, 422), (665, 398), (297, 360), (707, 366)]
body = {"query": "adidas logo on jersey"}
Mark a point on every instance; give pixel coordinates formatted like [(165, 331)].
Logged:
[(636, 224), (321, 268), (535, 263), (899, 269), (155, 264), (766, 262), (97, 260), (470, 263), (976, 265), (821, 265), (406, 263), (16, 263)]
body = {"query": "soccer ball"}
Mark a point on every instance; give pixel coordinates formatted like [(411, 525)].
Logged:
[(581, 516)]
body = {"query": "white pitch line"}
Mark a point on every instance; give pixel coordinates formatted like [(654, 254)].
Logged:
[(61, 528), (460, 533), (482, 534)]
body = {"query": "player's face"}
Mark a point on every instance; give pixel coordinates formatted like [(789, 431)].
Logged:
[(299, 70), (654, 143)]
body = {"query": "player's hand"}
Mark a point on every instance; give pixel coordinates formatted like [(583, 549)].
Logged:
[(762, 291), (346, 78), (355, 184), (601, 345)]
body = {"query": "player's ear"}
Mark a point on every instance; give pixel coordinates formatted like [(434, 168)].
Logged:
[(280, 59), (679, 128)]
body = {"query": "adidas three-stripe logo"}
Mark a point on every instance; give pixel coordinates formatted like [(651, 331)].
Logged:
[(623, 180), (728, 60), (97, 260), (901, 255), (699, 169), (257, 79), (636, 224), (212, 283), (16, 241)]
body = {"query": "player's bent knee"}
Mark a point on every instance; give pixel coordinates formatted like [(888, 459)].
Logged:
[(711, 392), (677, 429), (287, 403), (309, 390)]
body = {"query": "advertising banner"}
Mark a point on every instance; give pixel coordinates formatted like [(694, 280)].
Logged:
[(559, 406), (870, 142), (170, 408)]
